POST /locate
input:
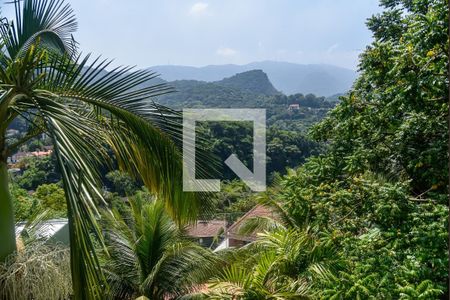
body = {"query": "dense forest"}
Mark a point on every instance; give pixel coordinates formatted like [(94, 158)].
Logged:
[(377, 198)]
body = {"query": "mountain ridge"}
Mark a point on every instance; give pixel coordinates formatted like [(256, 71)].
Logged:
[(289, 78)]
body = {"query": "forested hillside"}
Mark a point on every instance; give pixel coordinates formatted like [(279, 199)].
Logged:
[(376, 200), (254, 81), (250, 90), (288, 118)]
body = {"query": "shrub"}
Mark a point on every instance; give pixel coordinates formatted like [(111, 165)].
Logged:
[(38, 272)]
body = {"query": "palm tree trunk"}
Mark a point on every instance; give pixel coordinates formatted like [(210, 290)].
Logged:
[(7, 226), (448, 116), (76, 262)]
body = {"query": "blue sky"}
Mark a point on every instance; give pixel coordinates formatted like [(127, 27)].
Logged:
[(183, 32)]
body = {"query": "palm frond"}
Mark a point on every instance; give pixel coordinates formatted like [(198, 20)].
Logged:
[(270, 199), (258, 224), (51, 22), (150, 256), (145, 136), (233, 281), (78, 156)]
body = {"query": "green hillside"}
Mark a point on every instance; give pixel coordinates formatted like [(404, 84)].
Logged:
[(250, 89), (255, 81)]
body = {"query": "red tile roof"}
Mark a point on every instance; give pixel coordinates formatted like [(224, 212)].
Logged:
[(206, 228), (41, 153), (257, 211)]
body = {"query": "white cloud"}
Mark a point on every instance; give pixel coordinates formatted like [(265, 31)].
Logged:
[(224, 51), (198, 9)]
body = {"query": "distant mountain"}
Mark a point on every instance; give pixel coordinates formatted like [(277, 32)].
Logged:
[(255, 81), (289, 78), (248, 89)]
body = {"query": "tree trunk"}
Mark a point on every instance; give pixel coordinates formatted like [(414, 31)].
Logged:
[(7, 225), (448, 166)]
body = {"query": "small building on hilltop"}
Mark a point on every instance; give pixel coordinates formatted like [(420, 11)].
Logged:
[(293, 107)]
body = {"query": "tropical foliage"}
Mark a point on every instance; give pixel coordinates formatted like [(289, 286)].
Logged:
[(51, 198), (86, 111), (149, 255), (282, 264), (37, 171), (380, 189), (122, 183)]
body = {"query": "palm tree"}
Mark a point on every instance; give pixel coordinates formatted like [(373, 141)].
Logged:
[(87, 111), (289, 260), (281, 264), (238, 281), (150, 256), (424, 290)]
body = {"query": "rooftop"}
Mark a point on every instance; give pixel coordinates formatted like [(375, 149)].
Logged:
[(208, 228), (257, 211)]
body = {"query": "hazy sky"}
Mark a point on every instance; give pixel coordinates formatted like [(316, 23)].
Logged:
[(148, 32)]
